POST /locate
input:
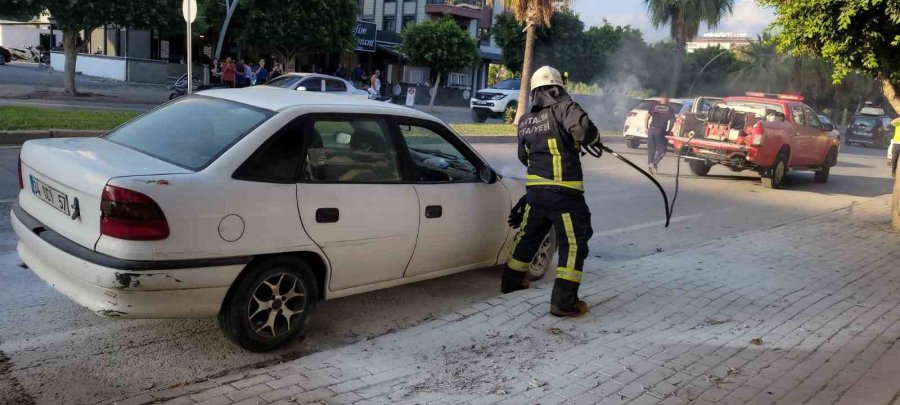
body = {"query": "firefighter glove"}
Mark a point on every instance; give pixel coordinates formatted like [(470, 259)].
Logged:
[(517, 213)]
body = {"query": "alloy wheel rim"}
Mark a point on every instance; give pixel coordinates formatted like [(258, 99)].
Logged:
[(538, 265), (275, 305)]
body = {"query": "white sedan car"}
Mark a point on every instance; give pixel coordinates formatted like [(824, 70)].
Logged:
[(315, 82), (253, 204)]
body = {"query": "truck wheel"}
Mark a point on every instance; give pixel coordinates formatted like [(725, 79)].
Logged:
[(699, 167), (479, 116), (544, 257), (269, 304), (2, 60), (632, 143), (776, 180)]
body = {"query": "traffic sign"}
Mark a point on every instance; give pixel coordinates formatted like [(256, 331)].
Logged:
[(189, 10)]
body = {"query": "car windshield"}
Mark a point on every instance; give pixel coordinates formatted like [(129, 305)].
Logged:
[(870, 122), (190, 132), (285, 82), (646, 104), (510, 84), (824, 119)]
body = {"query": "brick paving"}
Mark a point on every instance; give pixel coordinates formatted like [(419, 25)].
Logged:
[(807, 312)]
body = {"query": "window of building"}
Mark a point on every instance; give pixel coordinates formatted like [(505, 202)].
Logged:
[(484, 36), (458, 80), (408, 20), (389, 24)]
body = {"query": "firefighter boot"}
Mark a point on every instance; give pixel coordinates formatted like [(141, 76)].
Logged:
[(564, 302), (513, 281)]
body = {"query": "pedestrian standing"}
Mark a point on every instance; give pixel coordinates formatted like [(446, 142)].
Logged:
[(240, 74), (228, 73), (659, 122), (550, 139), (375, 82), (262, 75), (215, 71), (359, 73), (276, 71), (249, 80)]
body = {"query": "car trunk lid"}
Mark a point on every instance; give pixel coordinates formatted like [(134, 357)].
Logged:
[(64, 180)]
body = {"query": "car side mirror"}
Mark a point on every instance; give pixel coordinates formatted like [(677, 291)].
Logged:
[(827, 127), (342, 138), (488, 175), (301, 88)]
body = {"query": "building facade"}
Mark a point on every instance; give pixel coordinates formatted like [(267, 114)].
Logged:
[(724, 40)]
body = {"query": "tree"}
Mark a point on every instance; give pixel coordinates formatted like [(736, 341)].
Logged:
[(684, 18), (440, 45), (76, 16), (295, 27), (532, 13), (854, 35)]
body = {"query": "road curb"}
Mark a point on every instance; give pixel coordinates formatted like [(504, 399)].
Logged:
[(20, 137)]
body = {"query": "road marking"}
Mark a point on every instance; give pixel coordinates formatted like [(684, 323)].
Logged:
[(8, 200), (649, 225)]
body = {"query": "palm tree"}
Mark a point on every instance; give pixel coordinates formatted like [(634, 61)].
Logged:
[(684, 18), (764, 68), (532, 13)]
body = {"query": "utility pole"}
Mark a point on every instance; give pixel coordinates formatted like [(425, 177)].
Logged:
[(230, 6)]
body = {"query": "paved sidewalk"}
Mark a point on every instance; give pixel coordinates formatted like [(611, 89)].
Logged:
[(805, 312)]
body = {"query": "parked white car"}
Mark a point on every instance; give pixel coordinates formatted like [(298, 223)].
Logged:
[(495, 101), (634, 131), (316, 83), (253, 204)]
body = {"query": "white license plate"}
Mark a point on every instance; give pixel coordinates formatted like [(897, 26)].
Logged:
[(480, 102), (50, 195)]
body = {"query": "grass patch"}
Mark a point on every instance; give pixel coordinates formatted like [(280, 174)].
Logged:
[(484, 129), (23, 118)]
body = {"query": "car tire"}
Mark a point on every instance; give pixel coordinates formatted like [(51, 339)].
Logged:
[(779, 171), (479, 116), (699, 167), (543, 260), (283, 284), (821, 176), (2, 60), (632, 143)]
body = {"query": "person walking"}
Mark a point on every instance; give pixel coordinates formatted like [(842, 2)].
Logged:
[(659, 122), (228, 72), (215, 71), (375, 82), (550, 138)]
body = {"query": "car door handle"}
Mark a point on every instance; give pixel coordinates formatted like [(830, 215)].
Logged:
[(327, 215), (434, 211)]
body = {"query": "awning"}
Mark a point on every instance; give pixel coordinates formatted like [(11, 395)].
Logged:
[(491, 56), (390, 50)]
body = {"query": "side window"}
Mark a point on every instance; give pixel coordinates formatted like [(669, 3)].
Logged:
[(277, 160), (435, 159), (312, 84), (812, 120), (332, 85), (797, 115), (350, 150)]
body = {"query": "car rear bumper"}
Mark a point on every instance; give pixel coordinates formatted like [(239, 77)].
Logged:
[(128, 292)]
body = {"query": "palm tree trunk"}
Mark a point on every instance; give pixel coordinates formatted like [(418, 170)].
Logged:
[(434, 91), (71, 52), (890, 93), (679, 65), (522, 105)]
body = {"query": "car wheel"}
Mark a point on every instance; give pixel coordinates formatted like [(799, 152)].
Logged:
[(776, 180), (270, 304), (821, 176), (632, 143), (699, 167), (479, 116), (542, 261)]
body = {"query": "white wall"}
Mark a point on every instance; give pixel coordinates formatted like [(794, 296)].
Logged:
[(90, 65), (18, 36)]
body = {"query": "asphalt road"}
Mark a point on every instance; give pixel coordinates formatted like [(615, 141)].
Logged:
[(61, 353)]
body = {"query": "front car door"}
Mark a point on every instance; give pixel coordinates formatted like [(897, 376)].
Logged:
[(462, 220), (819, 139), (335, 86), (353, 200), (803, 145)]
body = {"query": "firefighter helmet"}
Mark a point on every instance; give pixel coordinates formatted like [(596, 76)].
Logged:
[(546, 76)]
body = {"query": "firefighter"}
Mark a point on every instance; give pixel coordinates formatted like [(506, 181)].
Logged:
[(550, 139), (659, 122)]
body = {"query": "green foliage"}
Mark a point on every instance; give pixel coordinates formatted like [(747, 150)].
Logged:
[(24, 118), (292, 27), (440, 45), (497, 73), (854, 35), (684, 17)]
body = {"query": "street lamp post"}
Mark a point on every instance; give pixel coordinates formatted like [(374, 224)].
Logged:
[(189, 12), (691, 91)]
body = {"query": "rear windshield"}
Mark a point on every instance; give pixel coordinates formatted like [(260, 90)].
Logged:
[(190, 132), (870, 122), (285, 82), (646, 104), (511, 84)]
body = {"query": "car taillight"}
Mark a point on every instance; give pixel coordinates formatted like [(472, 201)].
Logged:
[(21, 180), (130, 215), (756, 134)]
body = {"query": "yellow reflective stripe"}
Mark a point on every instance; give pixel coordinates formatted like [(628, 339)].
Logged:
[(517, 265), (566, 273), (557, 159), (570, 236), (521, 229), (897, 134), (535, 180)]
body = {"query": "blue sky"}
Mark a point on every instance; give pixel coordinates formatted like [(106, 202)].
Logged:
[(747, 17)]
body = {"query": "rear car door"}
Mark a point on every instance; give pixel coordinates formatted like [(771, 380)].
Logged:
[(313, 84), (803, 146), (462, 220), (353, 201)]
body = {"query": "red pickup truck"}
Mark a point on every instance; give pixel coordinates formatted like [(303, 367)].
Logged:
[(767, 133)]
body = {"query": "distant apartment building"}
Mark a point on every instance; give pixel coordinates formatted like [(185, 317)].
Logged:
[(391, 16), (724, 40)]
